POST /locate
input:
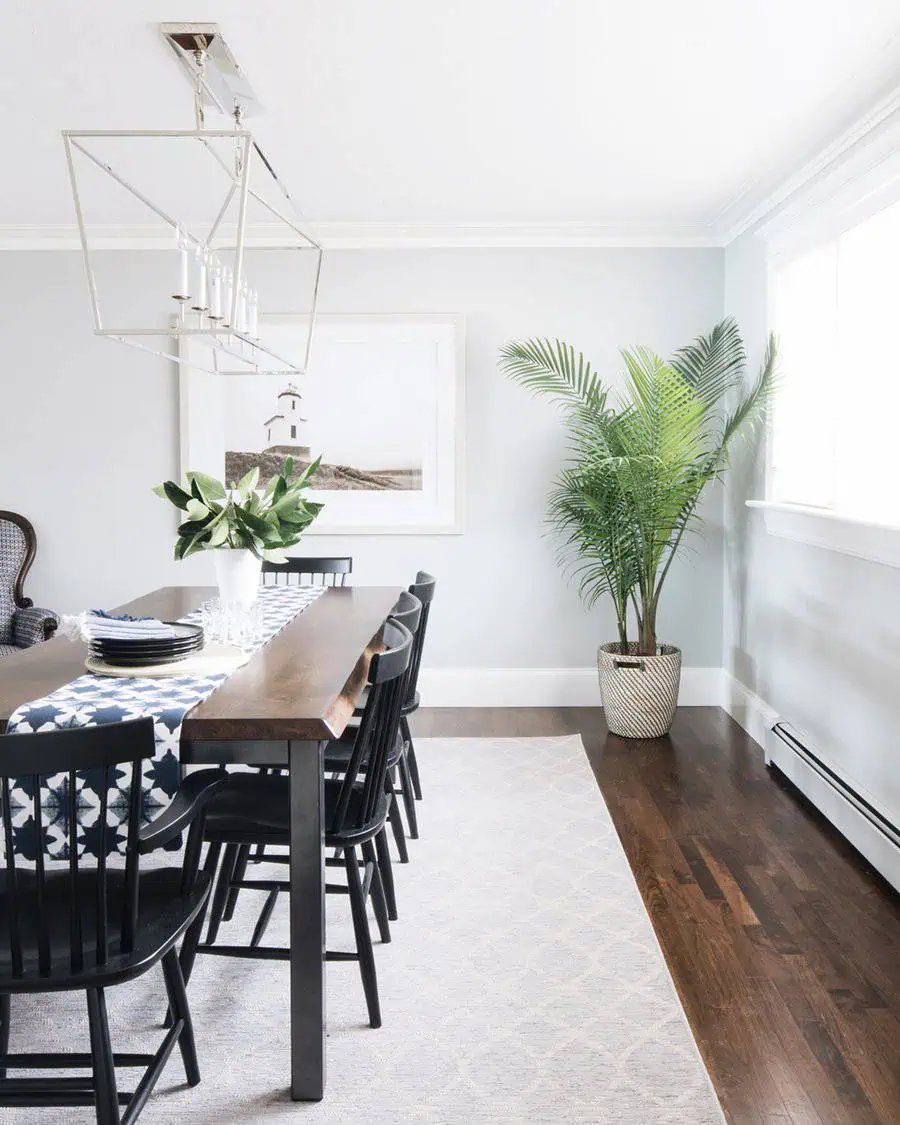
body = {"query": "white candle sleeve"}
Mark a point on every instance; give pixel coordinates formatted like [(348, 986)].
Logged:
[(216, 304), (201, 288), (229, 295), (183, 279), (254, 314)]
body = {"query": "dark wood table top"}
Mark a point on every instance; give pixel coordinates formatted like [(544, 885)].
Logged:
[(303, 684)]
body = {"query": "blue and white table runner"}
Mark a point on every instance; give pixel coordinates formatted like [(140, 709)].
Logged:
[(93, 700)]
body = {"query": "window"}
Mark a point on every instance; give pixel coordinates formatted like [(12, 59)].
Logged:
[(293, 431), (293, 404), (834, 434)]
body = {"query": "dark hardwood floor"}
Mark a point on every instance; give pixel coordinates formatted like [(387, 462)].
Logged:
[(782, 941)]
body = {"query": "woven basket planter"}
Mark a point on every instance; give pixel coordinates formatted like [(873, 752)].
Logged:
[(639, 693)]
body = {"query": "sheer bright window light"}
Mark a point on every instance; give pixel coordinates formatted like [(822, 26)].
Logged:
[(834, 431)]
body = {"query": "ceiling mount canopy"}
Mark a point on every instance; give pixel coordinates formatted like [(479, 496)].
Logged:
[(203, 191)]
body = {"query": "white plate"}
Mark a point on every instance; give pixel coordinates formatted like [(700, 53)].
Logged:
[(209, 661)]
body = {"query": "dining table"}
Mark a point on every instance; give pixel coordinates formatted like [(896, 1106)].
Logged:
[(279, 709)]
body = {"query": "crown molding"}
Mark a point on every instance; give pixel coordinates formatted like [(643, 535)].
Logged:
[(386, 236), (756, 205), (353, 236)]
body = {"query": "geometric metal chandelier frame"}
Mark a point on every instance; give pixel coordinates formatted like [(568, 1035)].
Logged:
[(216, 307)]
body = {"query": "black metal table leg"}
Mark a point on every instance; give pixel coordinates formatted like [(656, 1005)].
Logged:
[(307, 905)]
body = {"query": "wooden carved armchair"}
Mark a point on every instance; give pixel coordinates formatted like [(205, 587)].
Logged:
[(22, 624)]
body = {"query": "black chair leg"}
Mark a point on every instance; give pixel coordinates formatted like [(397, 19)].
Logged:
[(106, 1096), (409, 799), (264, 918), (379, 902), (396, 824), (178, 1003), (411, 757), (5, 1009), (192, 936), (220, 895), (363, 937), (240, 871), (386, 871)]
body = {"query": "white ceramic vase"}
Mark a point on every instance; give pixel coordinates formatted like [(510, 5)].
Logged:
[(237, 573)]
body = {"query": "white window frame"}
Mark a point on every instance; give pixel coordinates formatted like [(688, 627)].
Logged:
[(863, 179)]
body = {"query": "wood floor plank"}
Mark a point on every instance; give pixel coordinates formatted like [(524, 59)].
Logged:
[(782, 941)]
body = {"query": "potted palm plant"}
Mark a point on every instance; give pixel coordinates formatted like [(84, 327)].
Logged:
[(640, 461), (243, 525)]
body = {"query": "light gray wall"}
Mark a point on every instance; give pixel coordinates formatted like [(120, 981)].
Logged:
[(815, 633), (89, 425)]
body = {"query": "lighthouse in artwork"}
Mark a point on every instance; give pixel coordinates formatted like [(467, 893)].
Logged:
[(287, 431)]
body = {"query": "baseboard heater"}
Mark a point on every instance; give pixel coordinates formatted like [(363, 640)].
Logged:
[(867, 828)]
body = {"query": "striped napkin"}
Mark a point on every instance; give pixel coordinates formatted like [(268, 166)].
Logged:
[(103, 626)]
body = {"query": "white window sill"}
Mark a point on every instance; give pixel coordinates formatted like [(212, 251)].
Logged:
[(832, 531)]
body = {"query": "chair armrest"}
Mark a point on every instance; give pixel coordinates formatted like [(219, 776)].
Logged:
[(194, 793), (32, 625)]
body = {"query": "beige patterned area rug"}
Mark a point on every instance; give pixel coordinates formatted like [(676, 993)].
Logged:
[(524, 982)]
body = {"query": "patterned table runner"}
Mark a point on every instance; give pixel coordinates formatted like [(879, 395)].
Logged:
[(92, 700)]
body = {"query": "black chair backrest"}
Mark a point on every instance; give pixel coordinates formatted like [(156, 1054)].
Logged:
[(408, 611), (88, 755), (299, 571), (377, 732), (423, 589)]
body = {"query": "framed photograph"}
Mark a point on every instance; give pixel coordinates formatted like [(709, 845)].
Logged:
[(382, 403)]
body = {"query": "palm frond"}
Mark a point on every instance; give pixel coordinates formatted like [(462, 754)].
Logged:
[(553, 367), (714, 364)]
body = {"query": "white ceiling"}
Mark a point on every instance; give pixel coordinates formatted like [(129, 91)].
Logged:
[(639, 116)]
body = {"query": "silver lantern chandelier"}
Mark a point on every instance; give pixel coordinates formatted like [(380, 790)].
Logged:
[(224, 242)]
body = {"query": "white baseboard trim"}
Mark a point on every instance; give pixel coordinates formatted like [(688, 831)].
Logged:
[(548, 687), (748, 710)]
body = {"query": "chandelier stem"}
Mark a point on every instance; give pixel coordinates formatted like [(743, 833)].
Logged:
[(199, 108)]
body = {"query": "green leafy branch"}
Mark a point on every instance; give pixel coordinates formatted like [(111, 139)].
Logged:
[(265, 522)]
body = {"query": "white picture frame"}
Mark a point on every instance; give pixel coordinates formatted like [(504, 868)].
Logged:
[(430, 352)]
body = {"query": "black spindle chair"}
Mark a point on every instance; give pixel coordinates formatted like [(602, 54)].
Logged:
[(255, 809), (423, 588), (408, 611), (85, 925), (299, 571), (295, 571)]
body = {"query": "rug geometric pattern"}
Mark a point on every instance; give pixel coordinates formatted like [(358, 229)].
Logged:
[(524, 983)]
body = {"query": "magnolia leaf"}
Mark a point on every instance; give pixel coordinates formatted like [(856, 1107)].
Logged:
[(273, 555), (248, 482), (287, 503), (197, 510), (253, 522), (194, 527), (196, 544), (175, 494), (208, 487), (310, 470), (219, 533)]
